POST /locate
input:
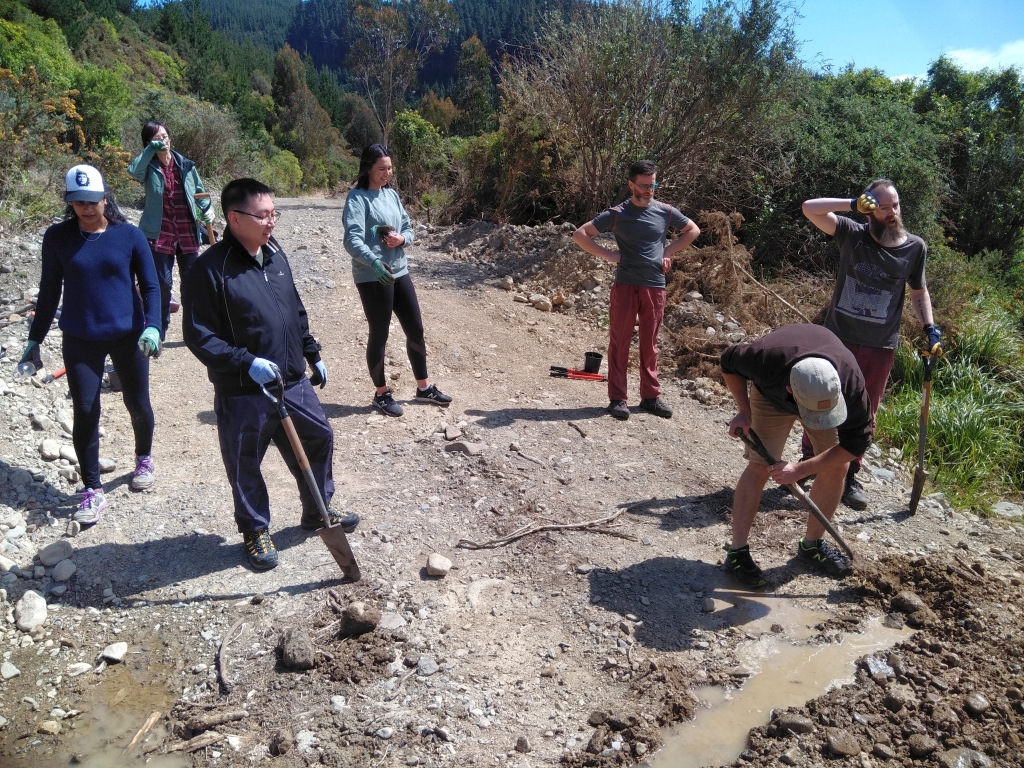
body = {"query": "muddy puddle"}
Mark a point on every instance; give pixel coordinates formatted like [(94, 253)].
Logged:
[(785, 670), (113, 710)]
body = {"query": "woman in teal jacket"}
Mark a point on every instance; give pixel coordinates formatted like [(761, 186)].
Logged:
[(377, 229), (172, 219)]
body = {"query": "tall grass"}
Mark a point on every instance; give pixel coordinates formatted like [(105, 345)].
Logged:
[(975, 449)]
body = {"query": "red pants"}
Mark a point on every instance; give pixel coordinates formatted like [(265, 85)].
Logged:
[(875, 363), (627, 302)]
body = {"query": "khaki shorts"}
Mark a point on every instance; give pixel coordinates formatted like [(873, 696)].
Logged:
[(773, 427)]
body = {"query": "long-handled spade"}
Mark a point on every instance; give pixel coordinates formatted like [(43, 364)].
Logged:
[(333, 536), (755, 443), (920, 475)]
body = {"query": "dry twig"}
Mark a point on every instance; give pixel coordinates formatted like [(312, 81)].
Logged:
[(198, 724), (222, 655), (199, 742), (578, 428), (401, 685), (526, 530), (142, 732)]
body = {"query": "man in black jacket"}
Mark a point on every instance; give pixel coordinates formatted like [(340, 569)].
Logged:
[(245, 322)]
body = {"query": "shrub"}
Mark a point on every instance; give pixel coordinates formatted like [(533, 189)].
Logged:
[(282, 173), (40, 44), (418, 151), (103, 101)]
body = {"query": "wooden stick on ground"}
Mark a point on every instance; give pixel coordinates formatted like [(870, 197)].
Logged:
[(222, 656), (199, 742), (150, 721), (526, 530), (198, 724)]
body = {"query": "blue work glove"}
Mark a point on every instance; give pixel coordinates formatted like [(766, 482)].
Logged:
[(32, 355), (934, 340), (383, 272), (263, 371), (149, 342), (319, 376)]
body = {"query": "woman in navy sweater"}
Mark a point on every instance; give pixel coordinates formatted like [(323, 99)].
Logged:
[(95, 258)]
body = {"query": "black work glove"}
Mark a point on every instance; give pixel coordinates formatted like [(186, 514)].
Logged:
[(865, 204), (934, 339)]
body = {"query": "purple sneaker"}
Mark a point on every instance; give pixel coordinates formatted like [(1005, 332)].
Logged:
[(91, 503), (144, 476)]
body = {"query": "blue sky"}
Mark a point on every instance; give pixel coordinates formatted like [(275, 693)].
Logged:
[(903, 38)]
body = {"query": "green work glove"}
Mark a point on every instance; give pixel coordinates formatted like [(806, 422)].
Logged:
[(32, 355), (158, 146), (149, 342), (383, 272), (865, 204)]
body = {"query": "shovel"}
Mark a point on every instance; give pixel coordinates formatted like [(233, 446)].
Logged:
[(333, 536), (755, 442), (920, 475)]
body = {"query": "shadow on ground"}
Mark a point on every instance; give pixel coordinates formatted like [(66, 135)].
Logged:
[(504, 417)]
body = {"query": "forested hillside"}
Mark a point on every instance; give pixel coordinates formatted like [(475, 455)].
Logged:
[(529, 112)]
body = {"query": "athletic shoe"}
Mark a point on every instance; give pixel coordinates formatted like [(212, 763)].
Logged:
[(433, 395), (619, 409), (260, 549), (657, 406), (386, 404), (824, 557), (91, 503), (853, 494), (312, 521), (144, 476), (741, 566)]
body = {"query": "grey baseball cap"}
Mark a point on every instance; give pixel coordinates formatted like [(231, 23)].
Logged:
[(818, 393)]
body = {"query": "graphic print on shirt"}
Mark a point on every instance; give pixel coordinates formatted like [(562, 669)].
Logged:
[(867, 291)]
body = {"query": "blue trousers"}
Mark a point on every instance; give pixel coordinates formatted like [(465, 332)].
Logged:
[(246, 425)]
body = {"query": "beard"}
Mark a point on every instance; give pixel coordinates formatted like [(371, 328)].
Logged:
[(889, 236)]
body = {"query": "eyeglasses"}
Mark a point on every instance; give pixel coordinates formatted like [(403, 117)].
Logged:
[(646, 187), (264, 220)]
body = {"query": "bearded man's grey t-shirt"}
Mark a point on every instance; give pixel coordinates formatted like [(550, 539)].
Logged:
[(867, 304), (640, 234)]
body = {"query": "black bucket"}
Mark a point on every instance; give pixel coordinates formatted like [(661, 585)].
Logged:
[(592, 362)]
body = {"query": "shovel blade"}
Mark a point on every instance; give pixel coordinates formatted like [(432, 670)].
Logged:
[(915, 494), (337, 543)]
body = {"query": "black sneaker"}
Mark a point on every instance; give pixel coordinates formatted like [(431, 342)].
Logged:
[(853, 494), (741, 566), (824, 557), (433, 395), (657, 406), (260, 549), (619, 409), (313, 521), (386, 404)]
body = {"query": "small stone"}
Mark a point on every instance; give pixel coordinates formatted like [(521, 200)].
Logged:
[(463, 446), (883, 752), (385, 733), (107, 465), (693, 296), (507, 283), (30, 611), (338, 704), (426, 666), (843, 743), (921, 745), (305, 741), (53, 553), (790, 757), (115, 652), (977, 705), (907, 602), (795, 723), (894, 701), (390, 621), (296, 648), (584, 568), (358, 619), (523, 745), (282, 742), (8, 670), (74, 528), (922, 618), (708, 606), (597, 717), (1007, 509), (49, 450), (68, 452), (438, 565), (548, 671), (7, 565), (49, 727), (63, 570), (541, 302), (451, 432), (964, 758), (78, 668)]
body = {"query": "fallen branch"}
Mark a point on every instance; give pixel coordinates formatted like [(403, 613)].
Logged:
[(150, 721), (199, 742), (222, 656), (531, 458), (578, 428), (526, 530), (199, 724)]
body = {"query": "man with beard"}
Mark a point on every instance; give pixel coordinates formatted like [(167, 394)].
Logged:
[(877, 262)]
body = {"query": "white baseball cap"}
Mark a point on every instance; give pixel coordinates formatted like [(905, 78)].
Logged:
[(83, 183), (818, 393)]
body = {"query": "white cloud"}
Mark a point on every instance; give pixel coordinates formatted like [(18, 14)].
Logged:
[(1008, 55)]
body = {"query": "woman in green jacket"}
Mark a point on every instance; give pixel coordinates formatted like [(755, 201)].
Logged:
[(172, 219)]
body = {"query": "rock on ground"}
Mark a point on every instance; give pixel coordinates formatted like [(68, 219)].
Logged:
[(297, 650), (30, 612)]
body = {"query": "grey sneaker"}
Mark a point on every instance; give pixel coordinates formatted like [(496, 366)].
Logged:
[(618, 409), (91, 502), (657, 406), (144, 476), (853, 495), (386, 404)]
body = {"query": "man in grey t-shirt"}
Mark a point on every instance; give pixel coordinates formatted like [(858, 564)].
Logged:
[(640, 225), (878, 262)]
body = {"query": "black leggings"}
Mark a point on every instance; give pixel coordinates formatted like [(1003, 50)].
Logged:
[(84, 362), (379, 301)]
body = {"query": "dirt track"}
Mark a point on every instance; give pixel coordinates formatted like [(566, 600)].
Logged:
[(530, 639)]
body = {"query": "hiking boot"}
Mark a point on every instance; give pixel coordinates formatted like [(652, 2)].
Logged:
[(741, 566), (433, 395), (386, 404), (657, 406), (619, 409), (824, 557), (91, 503), (144, 476), (260, 549), (312, 521), (853, 494)]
